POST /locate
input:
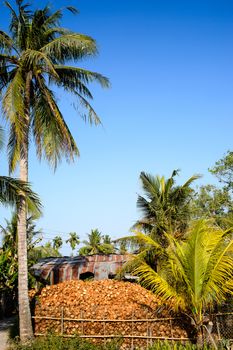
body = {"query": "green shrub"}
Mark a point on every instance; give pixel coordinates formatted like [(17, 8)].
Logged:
[(52, 342), (165, 345)]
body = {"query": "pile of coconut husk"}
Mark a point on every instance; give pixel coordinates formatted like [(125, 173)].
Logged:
[(91, 308)]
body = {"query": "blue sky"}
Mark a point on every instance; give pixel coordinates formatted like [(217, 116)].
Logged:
[(169, 106)]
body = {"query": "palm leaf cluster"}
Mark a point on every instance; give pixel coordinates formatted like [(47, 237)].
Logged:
[(97, 244), (11, 190), (194, 273), (33, 58)]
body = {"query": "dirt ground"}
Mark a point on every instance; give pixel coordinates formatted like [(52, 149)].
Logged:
[(5, 325)]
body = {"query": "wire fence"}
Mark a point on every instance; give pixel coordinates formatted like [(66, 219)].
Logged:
[(135, 332)]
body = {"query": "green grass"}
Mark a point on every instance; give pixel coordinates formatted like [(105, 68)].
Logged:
[(52, 342)]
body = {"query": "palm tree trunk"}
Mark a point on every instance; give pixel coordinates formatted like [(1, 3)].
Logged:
[(25, 322)]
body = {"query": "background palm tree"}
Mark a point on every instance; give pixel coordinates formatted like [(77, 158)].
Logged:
[(195, 273), (73, 240), (96, 244), (57, 243), (32, 59), (43, 251), (165, 206)]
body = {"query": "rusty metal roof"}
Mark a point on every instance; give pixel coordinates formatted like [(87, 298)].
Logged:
[(55, 270)]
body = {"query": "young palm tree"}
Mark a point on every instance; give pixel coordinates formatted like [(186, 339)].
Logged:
[(33, 59), (195, 273)]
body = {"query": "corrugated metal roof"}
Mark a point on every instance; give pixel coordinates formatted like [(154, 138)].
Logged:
[(55, 270)]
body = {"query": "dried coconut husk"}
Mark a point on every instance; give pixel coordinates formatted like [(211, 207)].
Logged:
[(104, 300)]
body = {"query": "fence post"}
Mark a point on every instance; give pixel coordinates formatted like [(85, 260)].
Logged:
[(171, 330), (82, 326), (132, 324), (218, 330), (62, 320), (104, 325)]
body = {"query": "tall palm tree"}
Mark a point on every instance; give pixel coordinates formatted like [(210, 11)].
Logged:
[(195, 273), (32, 61)]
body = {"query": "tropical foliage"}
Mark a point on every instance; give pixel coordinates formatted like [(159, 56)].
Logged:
[(165, 206), (194, 273), (223, 170), (73, 240), (9, 256), (96, 244), (57, 242), (215, 201)]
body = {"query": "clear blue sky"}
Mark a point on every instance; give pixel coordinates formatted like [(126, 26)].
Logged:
[(170, 106)]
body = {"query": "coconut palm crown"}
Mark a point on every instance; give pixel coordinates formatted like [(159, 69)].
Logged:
[(165, 206), (32, 60)]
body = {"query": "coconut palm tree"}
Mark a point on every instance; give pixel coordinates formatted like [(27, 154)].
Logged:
[(57, 242), (195, 273), (33, 60), (73, 240), (96, 244), (165, 206)]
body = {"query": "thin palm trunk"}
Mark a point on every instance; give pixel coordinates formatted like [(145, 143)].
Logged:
[(24, 309), (25, 322)]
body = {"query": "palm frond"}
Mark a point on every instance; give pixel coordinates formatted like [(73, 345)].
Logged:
[(13, 104), (220, 267), (92, 116), (13, 148), (52, 135), (70, 47), (33, 59), (158, 285), (148, 241), (12, 189), (191, 180), (76, 75), (150, 184), (6, 42)]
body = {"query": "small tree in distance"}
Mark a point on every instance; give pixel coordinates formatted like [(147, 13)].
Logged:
[(73, 240)]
